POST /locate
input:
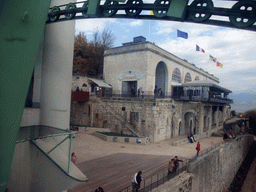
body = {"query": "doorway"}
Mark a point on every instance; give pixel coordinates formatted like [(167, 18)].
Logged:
[(129, 88)]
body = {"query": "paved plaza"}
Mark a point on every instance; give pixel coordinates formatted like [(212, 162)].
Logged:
[(112, 165)]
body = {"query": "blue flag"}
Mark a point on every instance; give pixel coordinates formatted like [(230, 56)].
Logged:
[(182, 34)]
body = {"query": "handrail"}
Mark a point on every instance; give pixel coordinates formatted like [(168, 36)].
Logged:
[(45, 136), (158, 178), (162, 174), (120, 117)]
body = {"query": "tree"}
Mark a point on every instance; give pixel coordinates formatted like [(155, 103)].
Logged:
[(251, 114), (89, 56)]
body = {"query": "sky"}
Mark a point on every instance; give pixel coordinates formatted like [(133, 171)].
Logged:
[(234, 48)]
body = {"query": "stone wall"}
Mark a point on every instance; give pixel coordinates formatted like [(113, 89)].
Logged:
[(158, 119), (182, 182), (213, 171)]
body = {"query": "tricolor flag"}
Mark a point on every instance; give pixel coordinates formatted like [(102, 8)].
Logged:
[(218, 64), (214, 59), (182, 34), (199, 49)]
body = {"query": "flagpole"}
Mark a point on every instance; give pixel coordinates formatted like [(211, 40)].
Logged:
[(149, 30)]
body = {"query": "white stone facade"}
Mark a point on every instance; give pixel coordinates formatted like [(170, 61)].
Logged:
[(138, 62)]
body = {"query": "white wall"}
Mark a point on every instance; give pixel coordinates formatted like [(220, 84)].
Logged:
[(143, 59)]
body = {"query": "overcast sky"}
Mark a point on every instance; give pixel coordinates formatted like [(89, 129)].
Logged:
[(234, 48)]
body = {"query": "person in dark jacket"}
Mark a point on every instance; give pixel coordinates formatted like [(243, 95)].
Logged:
[(100, 189), (136, 181), (176, 163)]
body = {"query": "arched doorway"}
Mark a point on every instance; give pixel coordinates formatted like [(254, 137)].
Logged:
[(179, 128), (189, 122), (190, 126), (161, 77)]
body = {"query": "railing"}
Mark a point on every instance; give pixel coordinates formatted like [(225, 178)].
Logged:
[(199, 98), (206, 151), (158, 178), (144, 95), (118, 116), (151, 95)]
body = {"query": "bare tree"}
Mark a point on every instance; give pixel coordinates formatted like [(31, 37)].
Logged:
[(89, 56), (108, 39)]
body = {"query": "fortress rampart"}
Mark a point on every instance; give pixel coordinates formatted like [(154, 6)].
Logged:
[(213, 171)]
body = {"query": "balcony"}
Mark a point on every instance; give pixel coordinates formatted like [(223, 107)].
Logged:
[(202, 91), (80, 96)]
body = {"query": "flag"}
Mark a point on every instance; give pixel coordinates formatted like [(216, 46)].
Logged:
[(182, 34), (214, 59), (218, 64), (199, 49)]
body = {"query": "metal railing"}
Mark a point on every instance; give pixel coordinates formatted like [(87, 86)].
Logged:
[(200, 98), (151, 95), (205, 151), (144, 95), (158, 178)]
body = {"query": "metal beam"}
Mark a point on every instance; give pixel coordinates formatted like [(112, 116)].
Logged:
[(21, 30), (241, 15)]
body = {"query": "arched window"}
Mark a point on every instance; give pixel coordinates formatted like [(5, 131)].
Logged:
[(197, 78), (187, 77), (84, 85), (176, 75)]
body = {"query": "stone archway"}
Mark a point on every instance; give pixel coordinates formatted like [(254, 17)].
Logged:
[(161, 77), (179, 128), (189, 122)]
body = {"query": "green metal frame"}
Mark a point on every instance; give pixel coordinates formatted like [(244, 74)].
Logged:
[(70, 136), (21, 30), (241, 15)]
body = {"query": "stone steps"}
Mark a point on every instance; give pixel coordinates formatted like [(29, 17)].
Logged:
[(117, 115)]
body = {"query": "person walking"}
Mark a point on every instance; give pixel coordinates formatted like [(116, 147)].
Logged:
[(139, 92), (198, 148), (73, 158), (176, 163), (137, 178), (155, 92), (170, 168), (99, 189)]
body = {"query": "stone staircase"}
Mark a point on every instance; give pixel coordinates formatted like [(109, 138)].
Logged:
[(117, 115)]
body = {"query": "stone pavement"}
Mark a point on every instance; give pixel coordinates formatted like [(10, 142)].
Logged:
[(112, 165)]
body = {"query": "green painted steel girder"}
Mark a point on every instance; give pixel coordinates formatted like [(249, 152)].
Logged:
[(93, 7), (241, 15), (21, 30), (177, 8)]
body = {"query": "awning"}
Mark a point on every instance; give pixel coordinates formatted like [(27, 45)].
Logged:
[(100, 83), (175, 83)]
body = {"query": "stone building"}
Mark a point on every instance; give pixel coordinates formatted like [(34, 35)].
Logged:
[(143, 64), (190, 101)]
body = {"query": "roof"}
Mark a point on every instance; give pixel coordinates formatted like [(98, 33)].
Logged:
[(100, 83), (206, 83)]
